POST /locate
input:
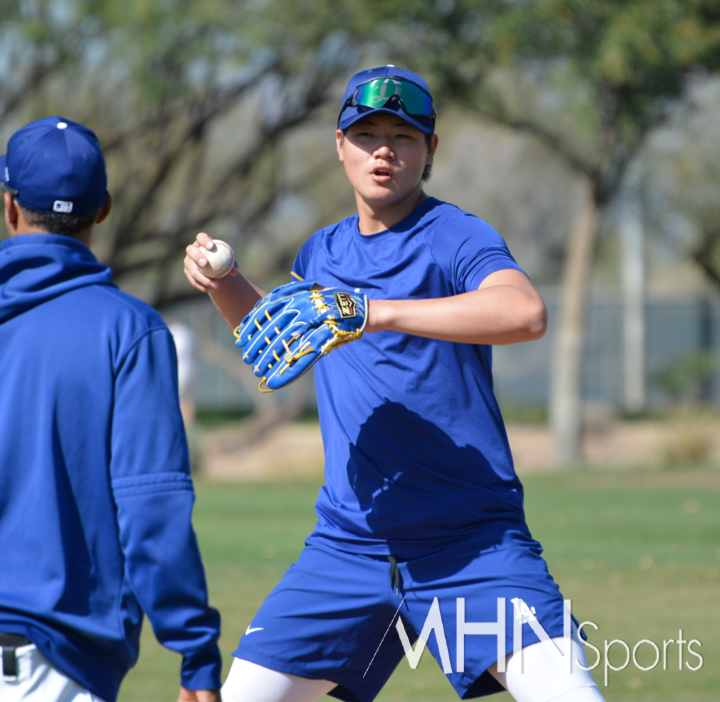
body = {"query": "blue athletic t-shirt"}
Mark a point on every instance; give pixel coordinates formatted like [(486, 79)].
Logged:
[(416, 453)]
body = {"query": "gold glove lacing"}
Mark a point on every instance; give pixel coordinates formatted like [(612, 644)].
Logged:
[(340, 337)]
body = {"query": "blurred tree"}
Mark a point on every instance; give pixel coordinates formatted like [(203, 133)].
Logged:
[(707, 254), (190, 104), (194, 109), (590, 78), (192, 99), (681, 172)]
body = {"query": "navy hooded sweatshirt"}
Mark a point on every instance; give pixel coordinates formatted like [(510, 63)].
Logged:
[(95, 488)]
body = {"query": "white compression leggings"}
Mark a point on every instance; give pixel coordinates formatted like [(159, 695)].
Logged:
[(540, 680)]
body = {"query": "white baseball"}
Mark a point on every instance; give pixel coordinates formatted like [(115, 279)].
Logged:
[(220, 260)]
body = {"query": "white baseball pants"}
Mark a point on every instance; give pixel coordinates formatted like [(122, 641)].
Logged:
[(39, 681)]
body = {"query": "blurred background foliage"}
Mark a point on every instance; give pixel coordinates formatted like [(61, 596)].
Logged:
[(190, 104), (193, 100), (218, 115)]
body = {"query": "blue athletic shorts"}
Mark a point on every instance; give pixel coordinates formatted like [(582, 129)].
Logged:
[(333, 615)]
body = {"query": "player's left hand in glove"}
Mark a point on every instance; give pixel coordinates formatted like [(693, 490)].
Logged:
[(289, 330)]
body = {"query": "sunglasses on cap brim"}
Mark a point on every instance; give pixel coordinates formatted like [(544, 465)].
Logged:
[(392, 93)]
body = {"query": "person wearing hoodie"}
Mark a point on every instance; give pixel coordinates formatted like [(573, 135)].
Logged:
[(95, 488)]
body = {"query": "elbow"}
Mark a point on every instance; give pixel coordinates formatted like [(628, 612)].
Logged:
[(535, 321)]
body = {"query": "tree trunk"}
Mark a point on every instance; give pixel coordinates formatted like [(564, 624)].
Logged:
[(633, 287), (566, 400)]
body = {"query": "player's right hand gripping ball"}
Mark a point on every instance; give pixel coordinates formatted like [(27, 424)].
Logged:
[(293, 327)]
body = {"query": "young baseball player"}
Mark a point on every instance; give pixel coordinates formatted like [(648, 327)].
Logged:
[(421, 517), (95, 488)]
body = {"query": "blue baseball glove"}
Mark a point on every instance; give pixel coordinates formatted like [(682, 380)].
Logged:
[(293, 327)]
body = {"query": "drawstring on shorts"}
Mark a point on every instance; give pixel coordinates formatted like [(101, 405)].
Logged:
[(395, 577)]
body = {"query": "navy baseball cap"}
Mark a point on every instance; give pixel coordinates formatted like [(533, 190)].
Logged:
[(388, 89), (55, 165)]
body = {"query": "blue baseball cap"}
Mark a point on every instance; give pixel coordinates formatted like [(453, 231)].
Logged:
[(55, 165), (351, 112)]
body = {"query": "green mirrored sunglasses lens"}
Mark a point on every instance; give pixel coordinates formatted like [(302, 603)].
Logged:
[(377, 92)]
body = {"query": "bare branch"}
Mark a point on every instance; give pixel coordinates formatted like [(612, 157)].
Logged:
[(705, 256), (32, 85)]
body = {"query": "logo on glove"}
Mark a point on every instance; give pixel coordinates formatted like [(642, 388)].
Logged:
[(346, 305)]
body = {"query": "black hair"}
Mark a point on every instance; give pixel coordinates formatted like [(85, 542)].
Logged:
[(427, 172), (60, 222)]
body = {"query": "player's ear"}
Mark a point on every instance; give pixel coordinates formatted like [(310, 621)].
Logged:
[(339, 138), (105, 209), (432, 148), (11, 213)]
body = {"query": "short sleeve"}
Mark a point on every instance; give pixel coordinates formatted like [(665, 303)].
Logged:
[(303, 258), (469, 249)]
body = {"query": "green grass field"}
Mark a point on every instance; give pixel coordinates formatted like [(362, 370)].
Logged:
[(637, 551)]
